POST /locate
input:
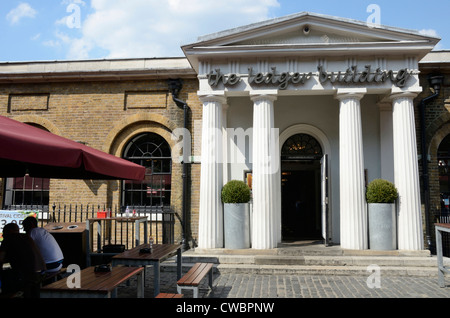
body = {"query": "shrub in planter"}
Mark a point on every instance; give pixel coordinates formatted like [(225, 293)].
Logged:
[(381, 191), (236, 191), (235, 196), (381, 195)]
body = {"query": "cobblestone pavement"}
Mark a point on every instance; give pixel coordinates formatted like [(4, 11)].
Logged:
[(298, 286)]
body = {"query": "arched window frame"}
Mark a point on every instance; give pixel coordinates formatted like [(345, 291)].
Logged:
[(153, 152), (301, 146)]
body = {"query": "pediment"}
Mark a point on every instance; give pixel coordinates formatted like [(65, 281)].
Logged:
[(309, 34), (314, 36)]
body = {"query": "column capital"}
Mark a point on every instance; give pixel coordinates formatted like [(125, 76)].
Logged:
[(400, 94), (269, 94), (212, 96), (353, 93)]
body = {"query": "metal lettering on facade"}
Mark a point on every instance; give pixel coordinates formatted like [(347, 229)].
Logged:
[(350, 76)]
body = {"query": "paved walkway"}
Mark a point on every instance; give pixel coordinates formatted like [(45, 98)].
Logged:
[(300, 286)]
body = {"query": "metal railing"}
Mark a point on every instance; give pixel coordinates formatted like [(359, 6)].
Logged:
[(161, 220), (444, 217)]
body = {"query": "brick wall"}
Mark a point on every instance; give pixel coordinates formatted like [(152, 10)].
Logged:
[(437, 123), (105, 115)]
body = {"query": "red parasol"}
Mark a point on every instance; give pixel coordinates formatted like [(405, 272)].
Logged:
[(27, 149)]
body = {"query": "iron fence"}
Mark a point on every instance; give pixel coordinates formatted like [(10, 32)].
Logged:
[(444, 217), (161, 220)]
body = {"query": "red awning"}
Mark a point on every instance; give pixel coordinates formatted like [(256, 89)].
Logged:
[(27, 149)]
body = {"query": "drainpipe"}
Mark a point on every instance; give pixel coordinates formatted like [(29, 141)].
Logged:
[(175, 86), (435, 83)]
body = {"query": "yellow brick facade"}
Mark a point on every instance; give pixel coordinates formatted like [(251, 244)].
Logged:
[(106, 114)]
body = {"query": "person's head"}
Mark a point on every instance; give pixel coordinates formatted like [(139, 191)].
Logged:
[(9, 229), (29, 223)]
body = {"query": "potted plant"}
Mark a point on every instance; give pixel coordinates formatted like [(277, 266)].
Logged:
[(382, 223), (235, 197)]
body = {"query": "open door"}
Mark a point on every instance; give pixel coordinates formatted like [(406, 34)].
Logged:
[(325, 201)]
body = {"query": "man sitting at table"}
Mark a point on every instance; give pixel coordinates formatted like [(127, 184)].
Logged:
[(26, 262), (49, 247)]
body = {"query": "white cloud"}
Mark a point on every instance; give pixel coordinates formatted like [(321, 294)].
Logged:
[(36, 37), (432, 33), (23, 10), (429, 32), (155, 28)]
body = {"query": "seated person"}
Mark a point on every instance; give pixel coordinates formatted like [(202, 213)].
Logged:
[(50, 250), (26, 263)]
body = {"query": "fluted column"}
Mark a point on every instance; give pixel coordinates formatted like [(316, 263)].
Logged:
[(211, 179), (406, 172), (266, 166), (353, 210)]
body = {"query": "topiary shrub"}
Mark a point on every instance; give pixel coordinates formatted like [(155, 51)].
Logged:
[(236, 191), (381, 191)]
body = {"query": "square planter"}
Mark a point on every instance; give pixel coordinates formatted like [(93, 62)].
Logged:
[(236, 225), (382, 226)]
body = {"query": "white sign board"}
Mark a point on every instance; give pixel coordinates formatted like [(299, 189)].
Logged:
[(17, 216)]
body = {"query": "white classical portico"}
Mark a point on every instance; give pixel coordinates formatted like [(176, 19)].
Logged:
[(327, 86)]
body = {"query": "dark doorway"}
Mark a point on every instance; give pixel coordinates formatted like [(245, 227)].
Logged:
[(301, 206), (301, 188)]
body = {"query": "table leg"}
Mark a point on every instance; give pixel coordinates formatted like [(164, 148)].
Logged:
[(137, 232), (441, 279), (140, 284), (145, 231), (156, 278), (88, 243), (99, 235), (179, 264), (210, 278)]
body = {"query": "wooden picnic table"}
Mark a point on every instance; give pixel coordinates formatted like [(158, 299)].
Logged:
[(160, 253), (90, 235), (441, 227), (94, 284)]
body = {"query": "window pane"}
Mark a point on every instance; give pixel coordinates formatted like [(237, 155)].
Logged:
[(28, 183), (153, 152), (18, 183), (27, 191)]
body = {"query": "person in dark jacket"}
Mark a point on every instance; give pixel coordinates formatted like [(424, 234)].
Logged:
[(27, 264)]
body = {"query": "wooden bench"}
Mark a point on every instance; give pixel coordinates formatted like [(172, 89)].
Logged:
[(194, 276), (168, 295)]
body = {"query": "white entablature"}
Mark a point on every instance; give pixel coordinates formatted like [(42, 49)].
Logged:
[(297, 45)]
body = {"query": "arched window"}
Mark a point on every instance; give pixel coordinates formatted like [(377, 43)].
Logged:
[(153, 152), (301, 146)]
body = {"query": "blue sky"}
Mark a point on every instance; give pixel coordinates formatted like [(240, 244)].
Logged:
[(34, 30)]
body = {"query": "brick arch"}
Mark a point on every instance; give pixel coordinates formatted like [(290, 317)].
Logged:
[(437, 125), (136, 124), (433, 170), (34, 119), (437, 138)]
